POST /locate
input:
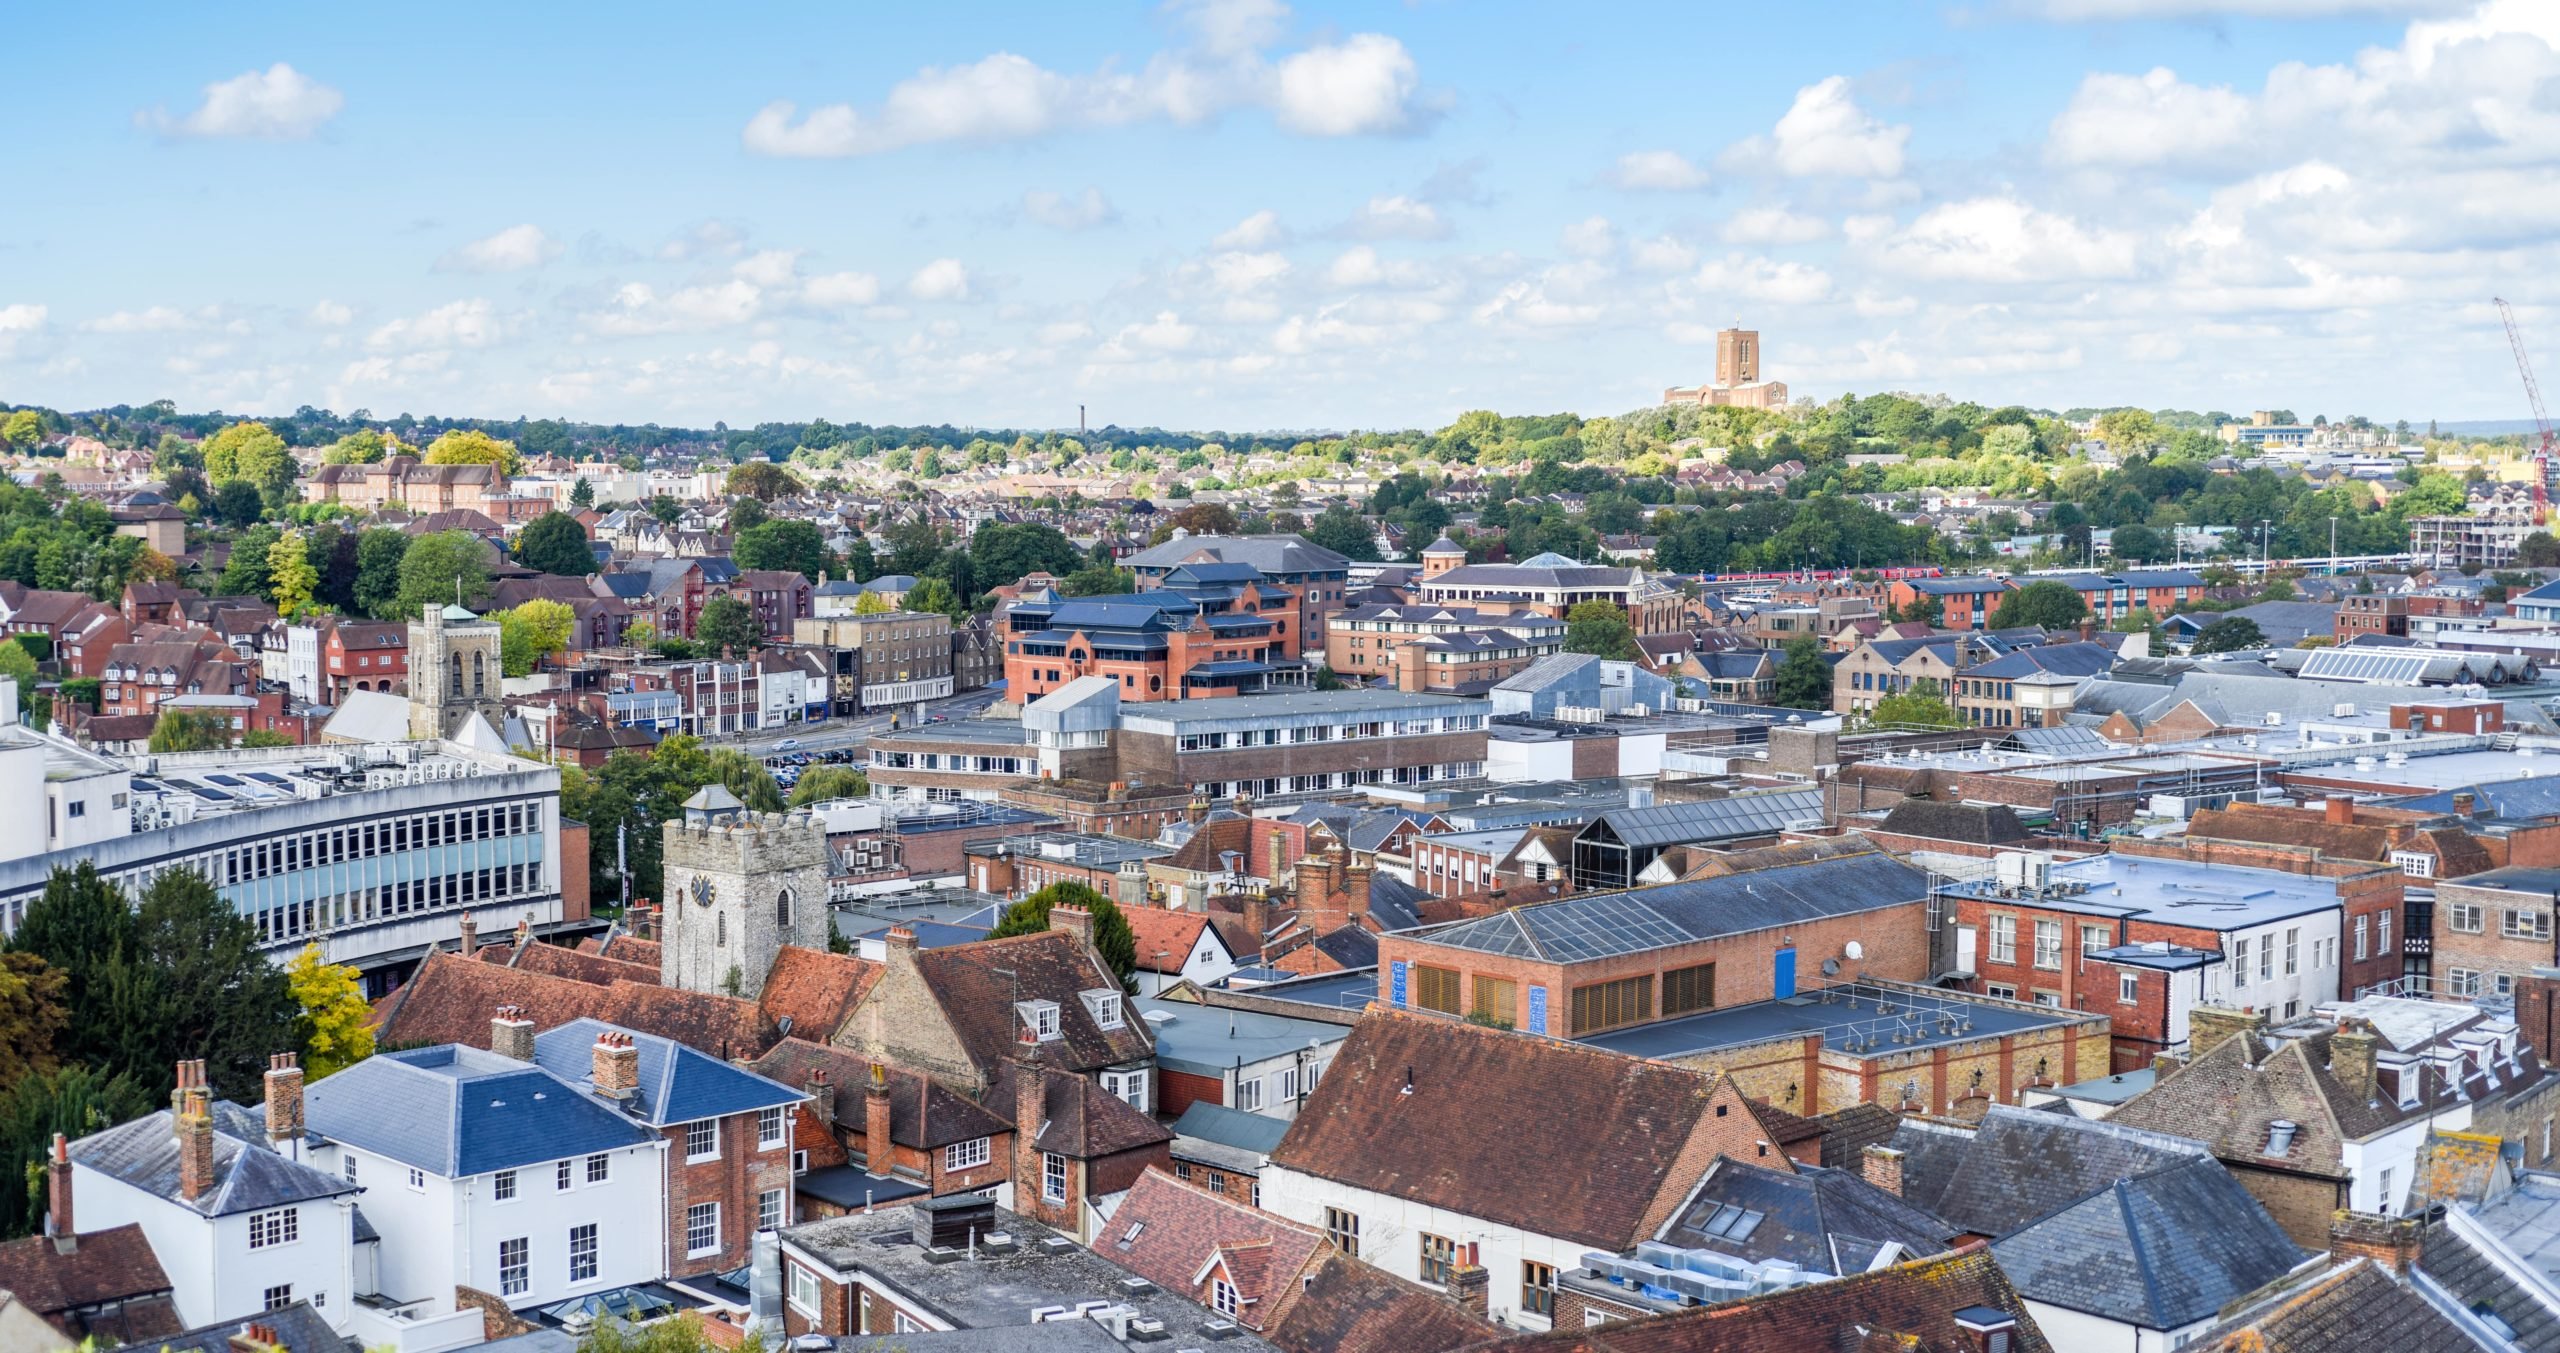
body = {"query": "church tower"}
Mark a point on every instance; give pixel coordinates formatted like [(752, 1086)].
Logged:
[(740, 885), (453, 672), (1737, 356)]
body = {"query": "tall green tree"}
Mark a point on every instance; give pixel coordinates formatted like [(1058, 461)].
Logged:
[(790, 546), (1924, 705), (1602, 628), (432, 567), (2230, 634), (935, 596), (2054, 605), (1004, 552), (555, 543), (728, 625), (1344, 532), (820, 784), (531, 632), (745, 776), (377, 586), (1112, 937), (1804, 679), (470, 446), (217, 993), (73, 1100), (582, 494)]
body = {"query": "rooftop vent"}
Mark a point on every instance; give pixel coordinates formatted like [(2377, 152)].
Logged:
[(2280, 1137)]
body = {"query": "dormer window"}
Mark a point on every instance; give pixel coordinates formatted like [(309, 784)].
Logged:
[(1105, 1006), (1040, 1017)]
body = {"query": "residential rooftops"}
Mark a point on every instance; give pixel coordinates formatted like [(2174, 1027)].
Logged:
[(1602, 925)]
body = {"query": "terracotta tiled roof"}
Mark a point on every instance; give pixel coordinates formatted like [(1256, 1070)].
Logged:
[(1474, 1128), (923, 1114), (1910, 1308), (1165, 1231), (1048, 966), (451, 1000), (1165, 937), (1078, 1118), (1348, 1307), (627, 947), (111, 1265), (561, 961), (814, 989)]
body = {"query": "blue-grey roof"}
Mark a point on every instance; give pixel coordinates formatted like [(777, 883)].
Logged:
[(1710, 820), (1206, 1040), (1601, 925), (1231, 1127), (1275, 555), (1854, 1019), (456, 1111), (298, 1329), (2158, 1251), (248, 1176), (1970, 584), (677, 1084), (2021, 1165), (2087, 659), (2515, 799), (891, 582), (1825, 1221), (932, 934)]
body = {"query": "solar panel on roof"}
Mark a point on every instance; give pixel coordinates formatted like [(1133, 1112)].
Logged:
[(231, 780)]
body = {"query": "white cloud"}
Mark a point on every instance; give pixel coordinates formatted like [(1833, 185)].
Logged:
[(944, 279), (1766, 280), (510, 250), (2075, 11), (1165, 333), (158, 319), (1363, 84), (1657, 171), (1590, 237), (2147, 119), (1773, 225), (275, 104), (1826, 134), (1261, 230), (1662, 254), (2000, 239), (639, 308), (1240, 272), (1361, 266), (1232, 27), (1396, 218), (1561, 297), (17, 323), (331, 314), (1058, 211), (457, 324), (706, 238), (841, 289), (767, 268)]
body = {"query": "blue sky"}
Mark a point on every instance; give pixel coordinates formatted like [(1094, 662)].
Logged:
[(1243, 214)]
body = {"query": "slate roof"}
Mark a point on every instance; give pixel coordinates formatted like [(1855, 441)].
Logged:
[(1906, 1308), (2020, 1165), (1275, 555), (1604, 924), (1848, 1132), (112, 1266), (1472, 1131), (2462, 1268), (2159, 1251), (248, 1176), (1350, 1307), (457, 1111), (1826, 1221), (2357, 1305), (2074, 659), (1978, 824), (2229, 1093), (1712, 820), (1256, 1132), (677, 1084)]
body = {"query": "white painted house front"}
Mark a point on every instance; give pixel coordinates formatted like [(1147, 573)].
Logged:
[(1392, 1233)]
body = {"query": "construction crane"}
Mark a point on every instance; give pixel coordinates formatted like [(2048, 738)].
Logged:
[(2546, 447)]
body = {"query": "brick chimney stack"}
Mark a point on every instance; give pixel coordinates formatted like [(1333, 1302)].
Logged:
[(2393, 1242), (1882, 1167), (1075, 921), (900, 950), (642, 920), (1257, 916), (57, 1217), (194, 1129), (2209, 1026), (511, 1034), (2342, 812), (1355, 888), (822, 1098), (1469, 1285), (879, 1146), (2463, 803), (284, 1104), (470, 934), (2351, 1056), (617, 1065), (1030, 1095)]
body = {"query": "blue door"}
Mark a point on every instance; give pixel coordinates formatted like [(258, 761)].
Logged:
[(1783, 984)]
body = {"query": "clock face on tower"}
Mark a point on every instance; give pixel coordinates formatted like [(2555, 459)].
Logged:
[(701, 891)]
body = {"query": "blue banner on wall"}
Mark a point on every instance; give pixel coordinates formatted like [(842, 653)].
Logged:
[(1395, 984), (1537, 1010)]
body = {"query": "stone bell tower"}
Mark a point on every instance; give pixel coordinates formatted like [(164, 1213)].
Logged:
[(453, 672), (739, 886)]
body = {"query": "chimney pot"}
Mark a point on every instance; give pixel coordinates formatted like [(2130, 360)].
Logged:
[(1075, 921), (2342, 812), (616, 1072), (470, 934), (284, 1099), (57, 1221), (879, 1143), (511, 1034)]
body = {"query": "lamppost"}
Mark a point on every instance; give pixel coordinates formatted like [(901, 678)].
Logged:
[(2263, 524), (2333, 547)]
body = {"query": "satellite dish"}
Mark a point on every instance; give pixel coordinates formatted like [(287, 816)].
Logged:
[(1854, 950), (1830, 967)]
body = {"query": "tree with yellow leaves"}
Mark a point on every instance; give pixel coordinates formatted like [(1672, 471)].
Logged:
[(470, 446), (872, 603), (290, 575), (337, 1031)]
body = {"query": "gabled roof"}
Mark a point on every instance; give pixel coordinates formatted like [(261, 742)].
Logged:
[(2159, 1250), (1461, 1117), (1350, 1307), (923, 1113), (297, 1329), (677, 1084), (1165, 1231), (247, 1174), (812, 989), (106, 1268), (2355, 1305), (451, 998), (1273, 554), (2228, 1095), (1051, 966), (1078, 1118), (1826, 1221), (1711, 820), (2020, 1165), (456, 1111)]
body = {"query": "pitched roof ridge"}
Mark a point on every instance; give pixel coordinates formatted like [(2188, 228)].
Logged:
[(2133, 1229), (1709, 1078)]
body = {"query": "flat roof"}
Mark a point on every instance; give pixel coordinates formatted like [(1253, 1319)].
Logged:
[(1854, 1018), (1290, 703), (2115, 1089), (2448, 770), (2514, 879), (1348, 990), (999, 731), (2177, 892), (1207, 1039)]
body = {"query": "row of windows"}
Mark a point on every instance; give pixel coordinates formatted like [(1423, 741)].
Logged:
[(2513, 923), (1438, 1261), (1311, 784), (310, 916), (1346, 732), (1283, 1086), (337, 845)]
